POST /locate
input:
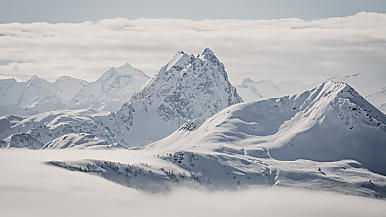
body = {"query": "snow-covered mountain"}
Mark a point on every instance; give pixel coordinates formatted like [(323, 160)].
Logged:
[(374, 90), (111, 90), (328, 138), (251, 90), (187, 87), (37, 130), (37, 95), (328, 123)]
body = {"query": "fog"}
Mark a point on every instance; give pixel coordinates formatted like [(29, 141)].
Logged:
[(29, 187), (184, 202)]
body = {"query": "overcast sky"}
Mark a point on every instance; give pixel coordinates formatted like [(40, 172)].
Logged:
[(84, 10), (305, 48)]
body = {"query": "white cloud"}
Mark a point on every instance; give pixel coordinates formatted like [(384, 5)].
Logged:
[(28, 187), (261, 49)]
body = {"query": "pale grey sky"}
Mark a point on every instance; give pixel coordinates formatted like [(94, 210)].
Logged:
[(330, 40), (284, 49), (85, 10)]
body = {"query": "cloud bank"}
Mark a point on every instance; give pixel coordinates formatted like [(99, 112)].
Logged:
[(283, 49), (29, 187)]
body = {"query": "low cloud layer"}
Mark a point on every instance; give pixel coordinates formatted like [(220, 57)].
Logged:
[(285, 49), (29, 187)]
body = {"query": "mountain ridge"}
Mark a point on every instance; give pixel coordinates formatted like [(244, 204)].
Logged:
[(191, 87), (284, 128)]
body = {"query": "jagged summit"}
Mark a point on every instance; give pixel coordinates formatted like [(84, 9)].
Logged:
[(187, 73), (208, 54), (187, 87)]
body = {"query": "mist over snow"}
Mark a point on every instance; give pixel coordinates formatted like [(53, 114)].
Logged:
[(282, 49), (52, 191)]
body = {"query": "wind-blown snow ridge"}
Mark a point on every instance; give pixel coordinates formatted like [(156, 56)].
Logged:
[(80, 141)]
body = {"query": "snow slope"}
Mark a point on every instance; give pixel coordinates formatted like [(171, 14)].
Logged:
[(373, 90), (111, 90), (79, 141), (35, 131)]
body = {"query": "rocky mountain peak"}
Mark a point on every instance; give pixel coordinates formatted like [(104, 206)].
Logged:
[(187, 87), (208, 54)]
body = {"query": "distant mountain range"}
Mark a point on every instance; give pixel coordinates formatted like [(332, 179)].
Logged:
[(109, 92)]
